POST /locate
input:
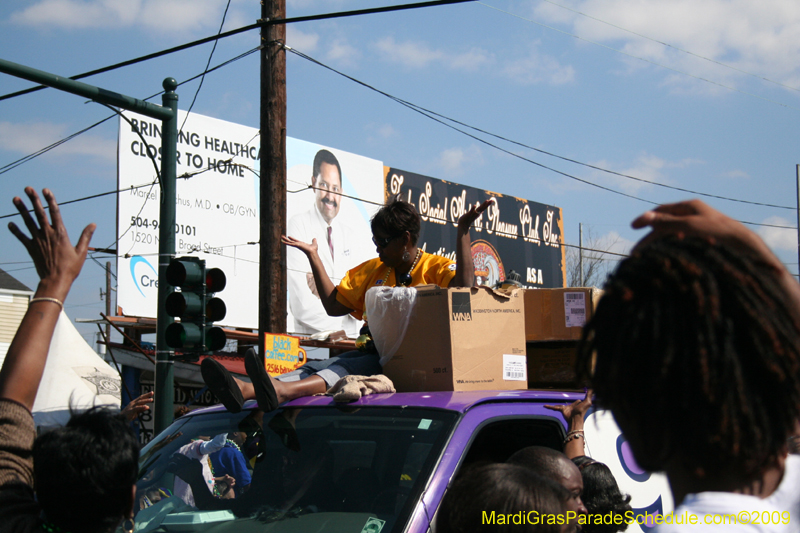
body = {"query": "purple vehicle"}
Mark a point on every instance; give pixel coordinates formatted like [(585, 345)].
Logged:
[(381, 464)]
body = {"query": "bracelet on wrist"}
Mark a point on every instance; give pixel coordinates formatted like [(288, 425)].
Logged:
[(574, 436), (47, 299)]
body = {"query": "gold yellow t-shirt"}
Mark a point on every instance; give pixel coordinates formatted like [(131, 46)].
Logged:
[(430, 269)]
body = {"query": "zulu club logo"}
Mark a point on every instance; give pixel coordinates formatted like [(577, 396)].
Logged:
[(462, 309), (146, 278)]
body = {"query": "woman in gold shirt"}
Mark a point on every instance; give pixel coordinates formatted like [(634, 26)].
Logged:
[(395, 230)]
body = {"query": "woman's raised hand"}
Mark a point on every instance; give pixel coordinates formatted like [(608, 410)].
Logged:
[(57, 262), (306, 248), (466, 220)]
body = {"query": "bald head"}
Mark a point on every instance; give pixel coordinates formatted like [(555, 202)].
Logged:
[(544, 461), (554, 465)]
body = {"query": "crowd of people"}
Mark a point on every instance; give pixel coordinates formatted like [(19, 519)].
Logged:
[(694, 348)]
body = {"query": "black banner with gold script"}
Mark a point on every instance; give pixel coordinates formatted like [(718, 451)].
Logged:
[(514, 234)]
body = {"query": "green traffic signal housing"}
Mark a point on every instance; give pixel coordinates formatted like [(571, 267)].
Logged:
[(195, 306)]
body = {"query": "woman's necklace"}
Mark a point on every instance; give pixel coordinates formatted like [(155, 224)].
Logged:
[(229, 441), (403, 279)]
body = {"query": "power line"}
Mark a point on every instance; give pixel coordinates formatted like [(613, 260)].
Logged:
[(23, 160), (608, 171), (642, 58), (91, 197), (257, 25), (483, 141), (434, 116), (208, 63), (29, 157)]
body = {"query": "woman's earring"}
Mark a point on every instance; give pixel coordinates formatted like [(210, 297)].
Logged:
[(406, 257), (128, 525)]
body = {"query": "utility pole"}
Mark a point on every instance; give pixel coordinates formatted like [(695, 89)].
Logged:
[(797, 175), (108, 300), (580, 254), (272, 255)]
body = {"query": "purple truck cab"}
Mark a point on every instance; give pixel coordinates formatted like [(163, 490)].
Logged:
[(381, 464)]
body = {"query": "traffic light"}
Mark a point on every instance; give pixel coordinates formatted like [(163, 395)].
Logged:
[(193, 303)]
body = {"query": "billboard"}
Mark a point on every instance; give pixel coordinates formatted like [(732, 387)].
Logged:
[(216, 210), (513, 234), (333, 204), (217, 215)]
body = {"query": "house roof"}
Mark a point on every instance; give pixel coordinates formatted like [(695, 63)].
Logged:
[(9, 282)]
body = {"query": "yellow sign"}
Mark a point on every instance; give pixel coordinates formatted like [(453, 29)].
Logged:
[(282, 354)]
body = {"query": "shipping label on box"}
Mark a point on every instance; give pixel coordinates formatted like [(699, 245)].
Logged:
[(462, 339), (558, 314)]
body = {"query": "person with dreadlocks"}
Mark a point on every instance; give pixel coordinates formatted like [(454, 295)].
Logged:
[(695, 348)]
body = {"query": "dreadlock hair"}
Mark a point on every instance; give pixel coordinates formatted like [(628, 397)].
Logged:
[(695, 349)]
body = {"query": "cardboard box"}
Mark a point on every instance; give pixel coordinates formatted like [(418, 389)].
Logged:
[(552, 364), (558, 314), (462, 339)]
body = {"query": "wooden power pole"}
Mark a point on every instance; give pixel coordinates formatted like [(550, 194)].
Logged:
[(272, 272)]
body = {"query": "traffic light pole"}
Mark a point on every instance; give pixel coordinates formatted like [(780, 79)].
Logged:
[(168, 114), (165, 370)]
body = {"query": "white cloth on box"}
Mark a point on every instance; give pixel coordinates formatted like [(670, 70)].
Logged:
[(389, 311), (351, 388)]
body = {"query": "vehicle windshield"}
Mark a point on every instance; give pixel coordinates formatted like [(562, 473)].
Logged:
[(341, 469)]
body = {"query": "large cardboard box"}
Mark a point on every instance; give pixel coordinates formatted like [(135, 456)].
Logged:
[(558, 314), (462, 339), (552, 364)]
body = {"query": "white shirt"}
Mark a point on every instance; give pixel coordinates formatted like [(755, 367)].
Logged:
[(761, 515), (349, 249)]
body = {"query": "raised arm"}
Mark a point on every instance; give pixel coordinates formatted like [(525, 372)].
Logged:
[(465, 269), (574, 414), (325, 287), (58, 263)]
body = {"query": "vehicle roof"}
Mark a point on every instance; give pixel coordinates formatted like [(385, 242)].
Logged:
[(453, 401)]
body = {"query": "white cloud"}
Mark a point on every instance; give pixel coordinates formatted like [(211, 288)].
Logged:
[(380, 131), (616, 244), (28, 138), (181, 16), (317, 4), (735, 174), (385, 130), (779, 238), (343, 53), (646, 167), (453, 160), (408, 53), (538, 68), (419, 55), (758, 37), (304, 42)]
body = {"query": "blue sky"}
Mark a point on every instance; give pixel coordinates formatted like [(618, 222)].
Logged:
[(700, 95)]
